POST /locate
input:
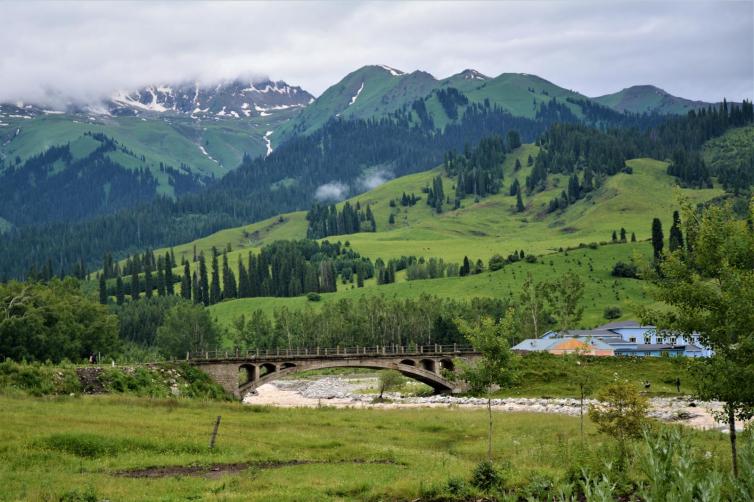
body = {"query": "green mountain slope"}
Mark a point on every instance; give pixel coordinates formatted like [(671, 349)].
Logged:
[(377, 91), (522, 94), (370, 91), (490, 226), (648, 99), (481, 229)]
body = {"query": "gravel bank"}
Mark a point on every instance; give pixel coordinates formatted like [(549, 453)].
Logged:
[(346, 392)]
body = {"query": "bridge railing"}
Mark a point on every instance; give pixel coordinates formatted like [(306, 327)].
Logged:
[(315, 352)]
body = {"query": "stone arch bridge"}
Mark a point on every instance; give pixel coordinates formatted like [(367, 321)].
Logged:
[(244, 371)]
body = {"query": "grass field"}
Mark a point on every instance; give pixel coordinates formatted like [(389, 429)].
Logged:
[(68, 447)]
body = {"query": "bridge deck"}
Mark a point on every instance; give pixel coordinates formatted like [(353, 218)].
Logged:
[(390, 351)]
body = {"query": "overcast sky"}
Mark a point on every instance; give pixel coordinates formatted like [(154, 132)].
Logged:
[(80, 51)]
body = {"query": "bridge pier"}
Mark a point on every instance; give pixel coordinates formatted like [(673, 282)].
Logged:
[(226, 375)]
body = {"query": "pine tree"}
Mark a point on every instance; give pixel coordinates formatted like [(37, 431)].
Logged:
[(148, 279), (615, 236), (391, 219), (675, 238), (161, 290), (102, 289), (519, 202), (633, 237), (203, 281), (517, 166), (622, 234), (466, 267), (244, 290), (186, 281), (134, 283), (215, 295), (196, 290), (169, 264), (530, 161), (230, 287), (515, 187), (120, 295), (657, 238)]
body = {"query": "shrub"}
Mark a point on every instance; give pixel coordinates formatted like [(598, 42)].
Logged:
[(313, 297), (486, 477), (496, 263), (622, 269), (612, 312)]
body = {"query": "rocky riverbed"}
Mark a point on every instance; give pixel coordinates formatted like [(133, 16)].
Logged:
[(342, 391)]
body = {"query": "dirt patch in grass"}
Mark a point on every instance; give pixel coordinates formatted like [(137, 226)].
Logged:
[(218, 470)]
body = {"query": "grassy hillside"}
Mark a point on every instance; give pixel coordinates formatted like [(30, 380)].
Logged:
[(482, 229), (521, 94), (592, 265), (170, 140), (734, 147), (648, 99)]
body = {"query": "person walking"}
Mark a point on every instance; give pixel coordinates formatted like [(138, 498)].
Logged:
[(678, 385)]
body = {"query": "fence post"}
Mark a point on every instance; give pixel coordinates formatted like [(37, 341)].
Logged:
[(187, 356), (214, 433)]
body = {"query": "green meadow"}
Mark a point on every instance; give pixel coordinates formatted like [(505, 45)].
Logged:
[(125, 448)]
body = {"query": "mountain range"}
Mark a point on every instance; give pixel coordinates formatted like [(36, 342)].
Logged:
[(170, 139)]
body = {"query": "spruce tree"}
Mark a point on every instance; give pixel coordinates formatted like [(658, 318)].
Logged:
[(519, 202), (186, 281), (615, 236), (169, 264), (119, 292), (102, 289), (633, 237), (622, 234), (196, 289), (148, 279), (215, 294), (391, 219), (203, 281), (134, 283), (161, 290), (657, 238), (243, 280), (675, 238)]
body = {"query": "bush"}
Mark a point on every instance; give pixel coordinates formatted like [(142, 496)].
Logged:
[(496, 263), (313, 297), (486, 477), (612, 312), (622, 269)]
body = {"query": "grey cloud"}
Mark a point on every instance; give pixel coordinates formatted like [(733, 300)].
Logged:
[(80, 51)]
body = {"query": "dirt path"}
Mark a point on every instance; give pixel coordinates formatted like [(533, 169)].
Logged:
[(345, 392)]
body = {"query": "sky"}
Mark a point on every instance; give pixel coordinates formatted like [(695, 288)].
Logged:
[(62, 52)]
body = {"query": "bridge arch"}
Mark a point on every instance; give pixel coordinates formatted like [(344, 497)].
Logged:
[(408, 362), (419, 373)]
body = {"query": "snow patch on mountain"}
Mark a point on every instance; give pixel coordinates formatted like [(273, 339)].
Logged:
[(267, 142), (392, 71), (353, 99)]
